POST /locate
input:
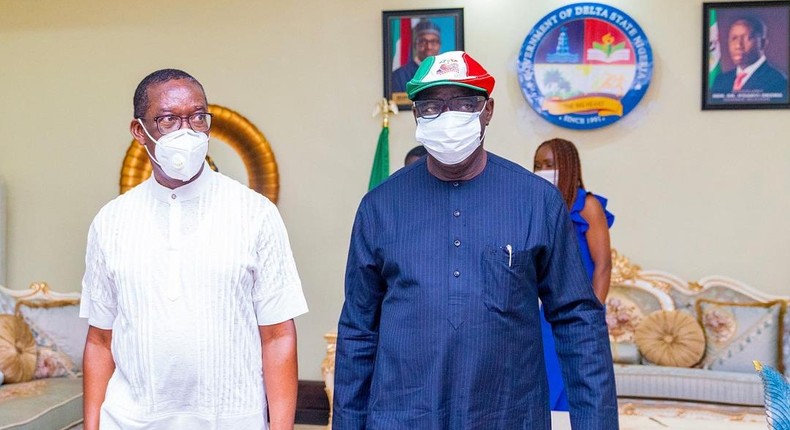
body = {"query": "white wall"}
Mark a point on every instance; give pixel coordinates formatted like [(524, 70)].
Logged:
[(3, 215), (695, 193)]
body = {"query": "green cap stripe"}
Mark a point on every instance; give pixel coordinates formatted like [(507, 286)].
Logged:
[(425, 68)]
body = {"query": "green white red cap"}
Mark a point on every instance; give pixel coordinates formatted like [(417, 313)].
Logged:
[(450, 68)]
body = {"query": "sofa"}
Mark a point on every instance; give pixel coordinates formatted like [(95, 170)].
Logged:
[(738, 325), (40, 329)]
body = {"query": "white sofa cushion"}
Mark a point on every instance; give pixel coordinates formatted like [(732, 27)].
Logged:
[(59, 329), (739, 333)]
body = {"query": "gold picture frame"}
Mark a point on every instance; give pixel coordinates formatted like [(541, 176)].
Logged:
[(232, 128)]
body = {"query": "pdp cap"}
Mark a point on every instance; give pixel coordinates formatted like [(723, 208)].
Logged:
[(450, 68)]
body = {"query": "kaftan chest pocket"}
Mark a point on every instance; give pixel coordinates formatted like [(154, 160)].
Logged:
[(509, 277)]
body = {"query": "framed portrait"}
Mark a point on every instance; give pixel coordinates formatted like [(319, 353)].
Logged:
[(411, 35), (746, 55)]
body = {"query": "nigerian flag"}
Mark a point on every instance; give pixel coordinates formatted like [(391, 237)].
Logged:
[(714, 49), (381, 162)]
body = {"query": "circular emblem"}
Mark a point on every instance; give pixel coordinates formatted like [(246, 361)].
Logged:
[(585, 66)]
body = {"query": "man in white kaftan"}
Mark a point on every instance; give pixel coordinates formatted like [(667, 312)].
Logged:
[(192, 284)]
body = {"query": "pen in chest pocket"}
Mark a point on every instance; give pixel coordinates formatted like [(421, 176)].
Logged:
[(509, 255)]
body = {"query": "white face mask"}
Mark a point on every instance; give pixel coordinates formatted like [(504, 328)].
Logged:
[(451, 137), (552, 176), (180, 153)]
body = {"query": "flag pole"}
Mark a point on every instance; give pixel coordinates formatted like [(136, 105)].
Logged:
[(385, 108), (381, 161)]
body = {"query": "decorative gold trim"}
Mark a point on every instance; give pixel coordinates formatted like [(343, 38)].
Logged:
[(230, 127), (47, 299), (385, 108), (328, 364), (661, 285), (59, 303), (36, 288), (628, 409), (622, 268), (710, 412), (695, 286), (328, 369)]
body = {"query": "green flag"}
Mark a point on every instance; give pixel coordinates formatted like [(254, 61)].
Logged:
[(381, 162), (714, 49)]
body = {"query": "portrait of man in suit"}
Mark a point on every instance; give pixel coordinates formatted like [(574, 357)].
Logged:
[(411, 36), (753, 73), (427, 41)]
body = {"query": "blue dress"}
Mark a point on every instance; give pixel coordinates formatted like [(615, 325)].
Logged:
[(558, 398)]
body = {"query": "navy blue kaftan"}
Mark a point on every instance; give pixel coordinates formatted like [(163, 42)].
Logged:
[(441, 328)]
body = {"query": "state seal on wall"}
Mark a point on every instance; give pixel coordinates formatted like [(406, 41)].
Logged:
[(585, 65)]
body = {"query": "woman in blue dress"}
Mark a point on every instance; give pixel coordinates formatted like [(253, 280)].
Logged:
[(557, 161)]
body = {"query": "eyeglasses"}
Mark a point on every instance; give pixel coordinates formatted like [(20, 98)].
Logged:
[(430, 109), (422, 41), (200, 122)]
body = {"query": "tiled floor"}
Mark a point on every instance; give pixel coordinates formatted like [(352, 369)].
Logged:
[(297, 427), (560, 421)]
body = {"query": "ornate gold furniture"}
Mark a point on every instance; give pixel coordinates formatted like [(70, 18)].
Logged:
[(47, 402)]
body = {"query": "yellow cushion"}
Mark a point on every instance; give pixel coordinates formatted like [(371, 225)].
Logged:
[(17, 349), (670, 338)]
